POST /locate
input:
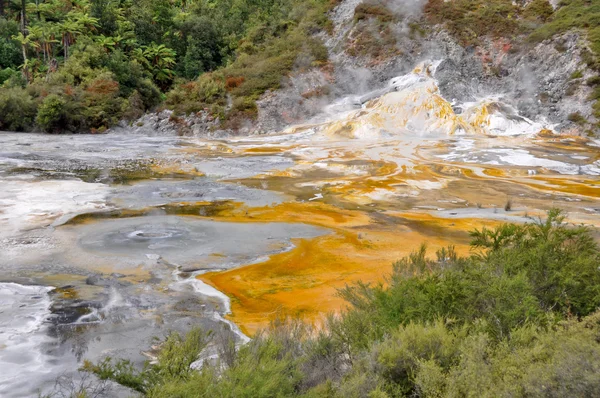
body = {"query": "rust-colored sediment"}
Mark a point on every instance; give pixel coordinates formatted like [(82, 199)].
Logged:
[(380, 201), (304, 281), (373, 221)]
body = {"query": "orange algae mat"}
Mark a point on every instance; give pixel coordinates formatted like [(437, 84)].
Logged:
[(369, 230), (380, 198), (304, 281)]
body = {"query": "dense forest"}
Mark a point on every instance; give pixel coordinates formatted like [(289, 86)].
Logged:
[(84, 65), (517, 318)]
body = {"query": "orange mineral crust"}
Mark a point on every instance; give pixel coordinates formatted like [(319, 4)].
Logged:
[(304, 281)]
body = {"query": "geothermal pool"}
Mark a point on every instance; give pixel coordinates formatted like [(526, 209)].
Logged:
[(107, 241)]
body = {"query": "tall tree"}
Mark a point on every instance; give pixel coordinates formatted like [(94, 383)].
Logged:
[(24, 17), (23, 39)]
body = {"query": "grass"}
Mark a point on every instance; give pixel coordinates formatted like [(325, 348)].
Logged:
[(471, 20), (578, 74), (373, 9), (573, 14)]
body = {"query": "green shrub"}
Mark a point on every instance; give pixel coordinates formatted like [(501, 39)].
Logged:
[(174, 361), (10, 51), (52, 114), (576, 117), (17, 109), (373, 9), (578, 74), (208, 91), (399, 356), (12, 78), (101, 105), (470, 20), (541, 10)]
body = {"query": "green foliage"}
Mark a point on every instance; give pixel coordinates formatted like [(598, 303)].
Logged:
[(176, 355), (515, 319), (204, 46), (121, 371), (153, 46), (12, 78), (572, 14), (578, 74), (277, 41), (52, 115), (17, 109), (540, 10), (10, 53), (207, 92), (470, 20), (159, 60), (132, 77)]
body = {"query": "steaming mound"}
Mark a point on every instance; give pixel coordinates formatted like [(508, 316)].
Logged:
[(413, 105), (493, 117)]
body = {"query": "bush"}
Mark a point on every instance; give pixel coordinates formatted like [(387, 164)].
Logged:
[(373, 9), (541, 10), (52, 114), (576, 117), (12, 78), (131, 77), (469, 20), (208, 91), (101, 105), (17, 109), (10, 51)]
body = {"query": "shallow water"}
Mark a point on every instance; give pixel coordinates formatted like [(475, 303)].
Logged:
[(135, 235), (24, 310)]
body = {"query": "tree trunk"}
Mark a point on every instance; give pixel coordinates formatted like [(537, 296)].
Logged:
[(25, 67), (24, 32), (23, 17)]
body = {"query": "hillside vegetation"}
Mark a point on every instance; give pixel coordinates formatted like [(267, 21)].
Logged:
[(517, 318), (84, 65)]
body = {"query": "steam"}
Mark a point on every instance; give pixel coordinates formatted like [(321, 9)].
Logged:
[(406, 8)]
